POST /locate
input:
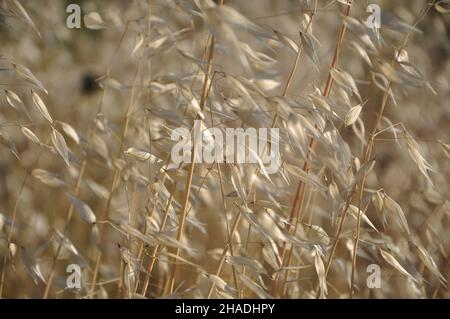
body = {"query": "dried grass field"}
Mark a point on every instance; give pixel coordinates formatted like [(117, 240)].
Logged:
[(92, 204)]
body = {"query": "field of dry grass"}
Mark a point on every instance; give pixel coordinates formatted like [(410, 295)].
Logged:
[(92, 204)]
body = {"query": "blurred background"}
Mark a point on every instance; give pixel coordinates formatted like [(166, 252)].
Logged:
[(134, 71)]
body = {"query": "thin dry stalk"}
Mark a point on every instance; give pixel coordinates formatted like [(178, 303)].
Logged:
[(300, 194), (204, 96), (369, 147)]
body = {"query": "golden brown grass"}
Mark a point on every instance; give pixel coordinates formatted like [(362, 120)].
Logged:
[(86, 176)]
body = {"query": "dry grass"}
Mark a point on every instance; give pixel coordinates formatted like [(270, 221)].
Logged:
[(85, 171)]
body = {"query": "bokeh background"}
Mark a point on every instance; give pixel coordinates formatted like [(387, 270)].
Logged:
[(126, 80)]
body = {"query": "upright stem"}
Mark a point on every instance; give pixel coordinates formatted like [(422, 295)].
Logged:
[(297, 206), (14, 215), (369, 147), (116, 176), (92, 131), (188, 185)]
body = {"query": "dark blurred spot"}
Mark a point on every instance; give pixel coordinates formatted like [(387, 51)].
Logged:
[(2, 23), (384, 161), (88, 84)]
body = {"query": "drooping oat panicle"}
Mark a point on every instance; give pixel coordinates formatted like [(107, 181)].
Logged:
[(28, 76), (20, 10), (47, 178), (30, 135), (40, 105), (94, 21), (85, 212), (60, 145), (344, 199)]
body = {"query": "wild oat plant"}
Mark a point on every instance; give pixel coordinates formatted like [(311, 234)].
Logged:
[(94, 206)]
